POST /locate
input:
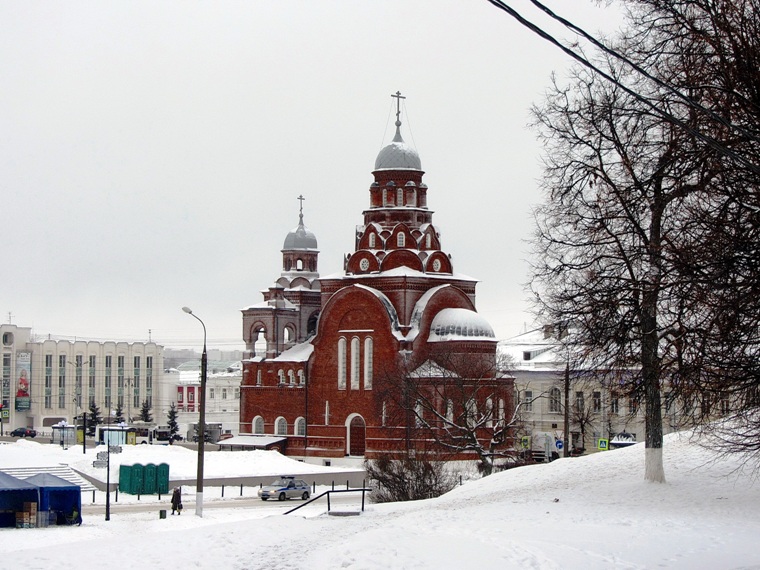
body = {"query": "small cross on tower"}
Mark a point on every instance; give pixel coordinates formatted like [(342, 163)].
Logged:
[(398, 96)]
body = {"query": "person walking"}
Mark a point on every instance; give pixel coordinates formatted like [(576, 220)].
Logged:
[(177, 500)]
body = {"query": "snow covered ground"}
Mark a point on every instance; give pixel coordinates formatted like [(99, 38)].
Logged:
[(586, 513)]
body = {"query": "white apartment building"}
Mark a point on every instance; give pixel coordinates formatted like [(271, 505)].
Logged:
[(46, 381)]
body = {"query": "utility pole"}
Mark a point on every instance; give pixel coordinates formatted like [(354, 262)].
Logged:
[(566, 448)]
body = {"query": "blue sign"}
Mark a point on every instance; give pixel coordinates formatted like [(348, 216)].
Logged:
[(559, 444)]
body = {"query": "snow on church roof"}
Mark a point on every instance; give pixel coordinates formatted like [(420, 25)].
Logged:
[(460, 324)]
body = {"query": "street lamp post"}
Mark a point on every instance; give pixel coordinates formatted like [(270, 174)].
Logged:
[(201, 422)]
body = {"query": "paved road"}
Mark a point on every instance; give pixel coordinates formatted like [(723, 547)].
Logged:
[(340, 501)]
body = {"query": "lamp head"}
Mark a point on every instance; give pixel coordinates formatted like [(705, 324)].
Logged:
[(187, 310)]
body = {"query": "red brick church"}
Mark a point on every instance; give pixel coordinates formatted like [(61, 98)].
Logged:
[(321, 349)]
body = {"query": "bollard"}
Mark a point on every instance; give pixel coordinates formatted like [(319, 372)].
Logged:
[(347, 487), (241, 489), (117, 493), (333, 487), (222, 491), (162, 514), (93, 496)]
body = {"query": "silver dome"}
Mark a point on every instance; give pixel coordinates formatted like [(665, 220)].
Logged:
[(398, 155), (300, 238)]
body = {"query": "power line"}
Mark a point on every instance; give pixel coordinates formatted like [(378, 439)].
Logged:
[(710, 141)]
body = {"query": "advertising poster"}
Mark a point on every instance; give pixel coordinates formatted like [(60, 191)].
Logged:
[(23, 381)]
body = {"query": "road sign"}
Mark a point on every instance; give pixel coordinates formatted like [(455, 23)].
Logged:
[(114, 448), (6, 413), (603, 444), (559, 444), (99, 463), (103, 455)]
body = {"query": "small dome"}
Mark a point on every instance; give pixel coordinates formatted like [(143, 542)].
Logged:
[(398, 155), (300, 238), (460, 324)]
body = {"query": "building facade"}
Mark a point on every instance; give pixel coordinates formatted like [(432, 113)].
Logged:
[(46, 381), (323, 348), (598, 406)]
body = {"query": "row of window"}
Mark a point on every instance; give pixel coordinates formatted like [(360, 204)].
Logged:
[(280, 426), (349, 366), (285, 377), (555, 403), (131, 383), (400, 240)]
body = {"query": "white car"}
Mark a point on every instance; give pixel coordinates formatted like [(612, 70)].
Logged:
[(285, 488)]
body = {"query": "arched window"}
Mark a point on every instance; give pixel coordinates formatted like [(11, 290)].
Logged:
[(400, 197), (258, 377), (299, 264), (327, 413), (501, 409), (384, 415), (418, 414), (341, 364), (291, 377), (372, 238), (555, 401), (449, 410), (401, 239), (287, 335), (428, 241), (281, 376), (301, 377), (258, 424), (300, 427), (368, 357), (355, 346), (260, 342), (489, 413), (282, 426), (385, 196)]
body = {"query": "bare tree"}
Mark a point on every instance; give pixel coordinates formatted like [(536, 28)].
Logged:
[(460, 402), (647, 241)]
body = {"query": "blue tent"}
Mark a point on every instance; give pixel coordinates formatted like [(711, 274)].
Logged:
[(57, 494), (13, 494)]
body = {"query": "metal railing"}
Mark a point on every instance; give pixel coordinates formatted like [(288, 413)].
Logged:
[(364, 491)]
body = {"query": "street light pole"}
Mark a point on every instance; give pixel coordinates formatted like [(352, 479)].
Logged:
[(201, 422)]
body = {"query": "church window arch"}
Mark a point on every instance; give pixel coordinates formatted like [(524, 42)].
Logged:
[(384, 414), (258, 425), (291, 377), (281, 426), (259, 342), (419, 419), (372, 240), (341, 363), (355, 350), (368, 362), (281, 376), (301, 377), (489, 413), (428, 241), (299, 264), (385, 196), (327, 412), (258, 377), (401, 239), (299, 427), (400, 197), (449, 410), (501, 410)]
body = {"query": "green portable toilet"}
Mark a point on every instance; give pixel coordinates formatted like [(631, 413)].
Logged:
[(149, 479), (125, 479), (137, 479), (162, 478)]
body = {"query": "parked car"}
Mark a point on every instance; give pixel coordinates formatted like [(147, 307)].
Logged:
[(285, 488), (23, 432)]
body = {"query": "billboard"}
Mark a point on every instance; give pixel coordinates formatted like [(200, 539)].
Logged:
[(23, 381)]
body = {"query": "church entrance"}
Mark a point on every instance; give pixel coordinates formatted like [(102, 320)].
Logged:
[(356, 436)]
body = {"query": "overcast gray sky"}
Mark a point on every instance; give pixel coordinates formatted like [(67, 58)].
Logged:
[(152, 152)]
